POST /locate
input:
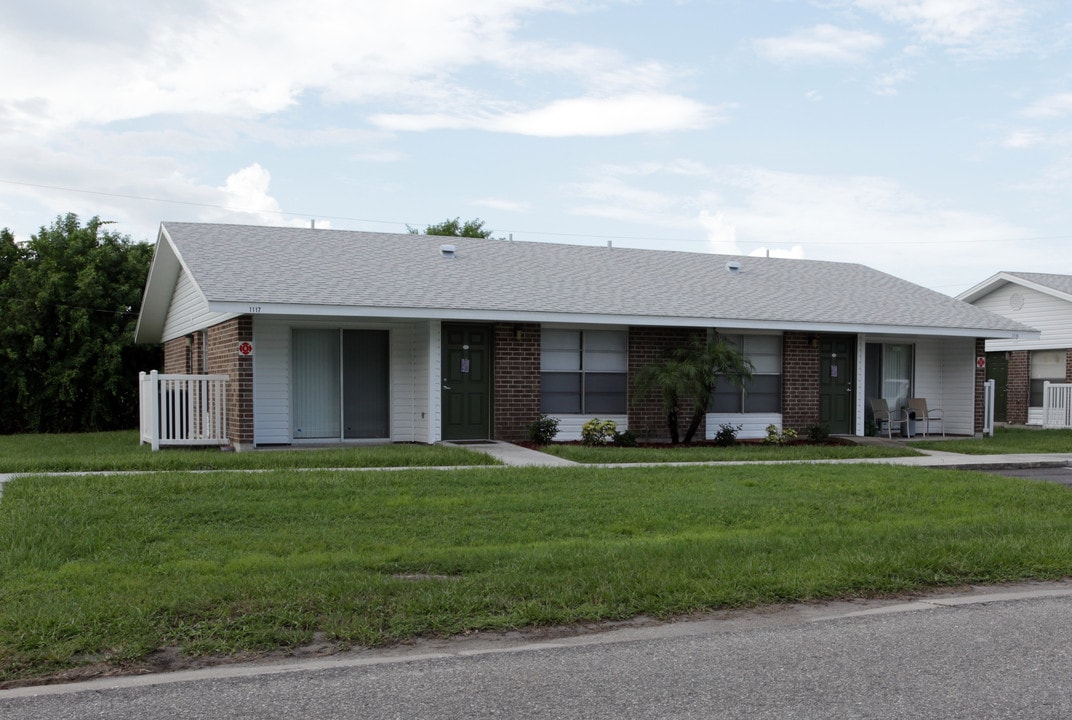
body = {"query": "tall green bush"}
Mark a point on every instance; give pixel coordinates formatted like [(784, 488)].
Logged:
[(69, 301)]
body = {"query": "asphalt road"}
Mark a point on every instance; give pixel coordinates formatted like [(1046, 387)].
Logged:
[(993, 657), (1062, 475)]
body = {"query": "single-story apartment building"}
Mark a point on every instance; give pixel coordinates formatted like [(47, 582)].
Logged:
[(337, 336), (1020, 366)]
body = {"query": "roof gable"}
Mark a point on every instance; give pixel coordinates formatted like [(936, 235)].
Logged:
[(1058, 286)]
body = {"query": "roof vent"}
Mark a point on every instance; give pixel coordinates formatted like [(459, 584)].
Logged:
[(448, 251), (733, 266)]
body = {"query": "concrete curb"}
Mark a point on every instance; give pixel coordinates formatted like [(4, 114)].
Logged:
[(637, 630)]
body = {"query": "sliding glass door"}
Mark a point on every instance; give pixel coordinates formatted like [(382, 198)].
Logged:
[(341, 384)]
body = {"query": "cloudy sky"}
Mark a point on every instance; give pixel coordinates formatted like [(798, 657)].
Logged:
[(931, 139)]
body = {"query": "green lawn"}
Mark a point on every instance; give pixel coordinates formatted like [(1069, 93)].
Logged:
[(121, 451), (735, 453), (1006, 441), (109, 568)]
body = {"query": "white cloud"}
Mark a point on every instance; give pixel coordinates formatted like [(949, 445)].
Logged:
[(875, 221), (1020, 139), (585, 116), (1053, 106), (868, 220), (888, 83), (242, 58), (985, 25), (822, 43), (247, 59), (246, 191)]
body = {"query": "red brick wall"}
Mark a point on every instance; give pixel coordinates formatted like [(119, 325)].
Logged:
[(176, 357), (1019, 388), (646, 416), (197, 353), (223, 359), (185, 355), (517, 379), (800, 381)]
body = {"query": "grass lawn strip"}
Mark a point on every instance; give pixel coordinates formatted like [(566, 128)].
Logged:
[(111, 568), (734, 453), (120, 451), (1006, 441)]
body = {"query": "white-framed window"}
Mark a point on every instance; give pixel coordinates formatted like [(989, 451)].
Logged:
[(583, 371), (763, 392), (889, 374), (1045, 366)]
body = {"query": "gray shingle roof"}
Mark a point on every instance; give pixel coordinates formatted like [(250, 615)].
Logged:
[(1060, 283), (303, 267)]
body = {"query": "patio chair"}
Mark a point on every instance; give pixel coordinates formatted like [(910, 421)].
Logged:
[(919, 405), (883, 414)]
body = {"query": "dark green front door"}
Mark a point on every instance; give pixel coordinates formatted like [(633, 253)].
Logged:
[(466, 382), (837, 401), (997, 369)]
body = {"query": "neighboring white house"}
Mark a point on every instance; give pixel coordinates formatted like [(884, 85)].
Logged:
[(333, 335), (1020, 366)]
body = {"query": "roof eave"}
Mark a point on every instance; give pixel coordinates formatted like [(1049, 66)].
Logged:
[(994, 282), (468, 315), (159, 285)]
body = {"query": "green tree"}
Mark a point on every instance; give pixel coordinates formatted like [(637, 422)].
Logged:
[(688, 375), (455, 228), (69, 300)]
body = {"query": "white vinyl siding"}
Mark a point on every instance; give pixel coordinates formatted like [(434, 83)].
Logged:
[(188, 311), (569, 426), (753, 425), (944, 376), (1053, 316), (412, 407)]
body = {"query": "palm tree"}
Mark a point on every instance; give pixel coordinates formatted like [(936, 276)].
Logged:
[(691, 373)]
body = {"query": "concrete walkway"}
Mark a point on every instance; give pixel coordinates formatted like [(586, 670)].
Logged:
[(517, 456), (514, 455)]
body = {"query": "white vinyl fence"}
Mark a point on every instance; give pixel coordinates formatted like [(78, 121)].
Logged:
[(1056, 405), (989, 388), (183, 409)]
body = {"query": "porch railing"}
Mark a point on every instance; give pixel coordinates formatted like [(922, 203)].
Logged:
[(1056, 405), (183, 409), (989, 389)]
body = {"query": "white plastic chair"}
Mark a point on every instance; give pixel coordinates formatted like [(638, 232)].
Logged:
[(883, 414), (919, 405)]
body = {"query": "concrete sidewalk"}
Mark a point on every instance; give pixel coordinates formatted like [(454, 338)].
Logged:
[(514, 455), (517, 456)]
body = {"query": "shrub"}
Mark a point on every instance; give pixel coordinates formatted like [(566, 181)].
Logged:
[(543, 429), (727, 434), (625, 439), (818, 434), (598, 432), (776, 437)]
